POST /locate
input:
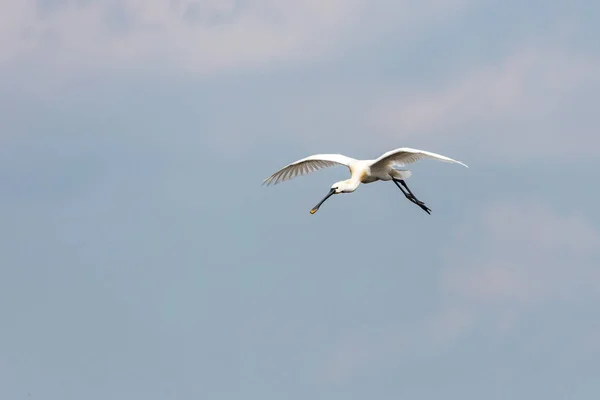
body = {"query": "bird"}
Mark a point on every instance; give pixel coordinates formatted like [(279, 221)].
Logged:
[(384, 168)]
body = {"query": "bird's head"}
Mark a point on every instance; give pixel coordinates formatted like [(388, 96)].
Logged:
[(347, 186), (336, 188)]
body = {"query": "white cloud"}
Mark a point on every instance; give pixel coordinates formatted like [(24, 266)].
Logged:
[(527, 254), (200, 37), (531, 104), (360, 349), (447, 325), (511, 261)]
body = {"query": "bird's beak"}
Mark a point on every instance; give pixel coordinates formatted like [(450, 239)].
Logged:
[(316, 208)]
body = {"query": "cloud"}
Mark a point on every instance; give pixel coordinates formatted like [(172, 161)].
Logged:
[(358, 350), (527, 255), (510, 261), (447, 325), (533, 103), (199, 37)]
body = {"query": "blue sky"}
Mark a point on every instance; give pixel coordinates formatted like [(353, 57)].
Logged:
[(140, 257)]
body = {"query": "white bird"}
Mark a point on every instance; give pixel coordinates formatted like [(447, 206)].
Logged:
[(362, 171)]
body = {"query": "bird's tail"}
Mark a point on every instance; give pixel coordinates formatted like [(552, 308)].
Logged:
[(401, 173)]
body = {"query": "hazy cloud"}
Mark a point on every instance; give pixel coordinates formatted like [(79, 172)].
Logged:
[(524, 255), (518, 107), (199, 37), (508, 261)]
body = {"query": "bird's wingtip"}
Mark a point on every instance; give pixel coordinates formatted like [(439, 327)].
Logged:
[(266, 181)]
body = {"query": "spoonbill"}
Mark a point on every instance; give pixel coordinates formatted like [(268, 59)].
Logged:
[(361, 171)]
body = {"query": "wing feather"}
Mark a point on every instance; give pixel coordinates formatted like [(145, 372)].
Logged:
[(306, 166), (405, 155)]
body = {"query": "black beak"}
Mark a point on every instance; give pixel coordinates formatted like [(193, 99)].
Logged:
[(316, 208)]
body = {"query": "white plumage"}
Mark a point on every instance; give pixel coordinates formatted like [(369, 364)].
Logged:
[(307, 165), (361, 171)]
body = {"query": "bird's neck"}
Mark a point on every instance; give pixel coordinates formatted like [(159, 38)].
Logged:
[(351, 184)]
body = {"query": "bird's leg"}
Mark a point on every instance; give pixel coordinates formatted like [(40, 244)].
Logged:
[(410, 196), (409, 191), (416, 201)]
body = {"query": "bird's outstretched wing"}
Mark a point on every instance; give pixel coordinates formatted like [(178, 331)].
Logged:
[(306, 165), (405, 155)]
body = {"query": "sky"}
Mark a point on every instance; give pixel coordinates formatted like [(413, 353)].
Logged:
[(140, 257)]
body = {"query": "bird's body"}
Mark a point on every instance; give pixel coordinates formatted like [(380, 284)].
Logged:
[(361, 171)]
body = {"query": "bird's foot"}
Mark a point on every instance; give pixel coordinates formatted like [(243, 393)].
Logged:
[(414, 199), (425, 208), (419, 203)]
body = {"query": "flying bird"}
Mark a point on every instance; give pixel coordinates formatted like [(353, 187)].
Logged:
[(361, 171)]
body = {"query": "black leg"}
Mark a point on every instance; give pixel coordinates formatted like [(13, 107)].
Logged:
[(410, 196), (411, 193)]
